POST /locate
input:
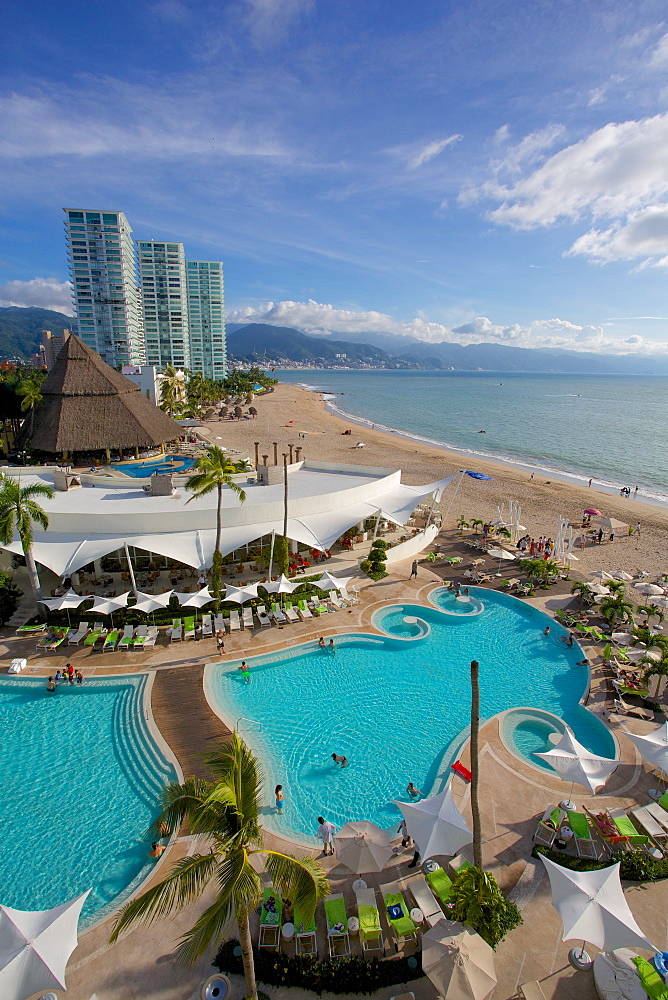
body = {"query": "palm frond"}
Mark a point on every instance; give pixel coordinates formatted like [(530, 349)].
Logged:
[(237, 768), (185, 881), (304, 880), (178, 802)]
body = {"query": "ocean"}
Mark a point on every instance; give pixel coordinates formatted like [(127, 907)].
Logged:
[(611, 428)]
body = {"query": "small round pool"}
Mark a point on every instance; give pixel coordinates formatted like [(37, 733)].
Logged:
[(464, 605), (526, 732), (142, 470), (400, 622)]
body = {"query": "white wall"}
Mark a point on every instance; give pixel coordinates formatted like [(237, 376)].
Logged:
[(410, 548)]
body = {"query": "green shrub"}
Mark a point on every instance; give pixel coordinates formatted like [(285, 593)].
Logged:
[(478, 901), (380, 543), (334, 975), (376, 574), (365, 565), (634, 867), (9, 597), (378, 555)]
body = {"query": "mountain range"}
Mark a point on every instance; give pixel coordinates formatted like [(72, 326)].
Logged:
[(263, 343)]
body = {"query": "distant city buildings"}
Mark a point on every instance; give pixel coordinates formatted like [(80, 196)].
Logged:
[(50, 347), (145, 307)]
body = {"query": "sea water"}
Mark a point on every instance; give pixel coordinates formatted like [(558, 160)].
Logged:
[(610, 428)]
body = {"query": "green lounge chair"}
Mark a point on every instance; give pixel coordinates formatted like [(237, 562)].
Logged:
[(271, 918), (305, 939), (189, 628), (337, 926), (627, 829), (93, 636), (30, 629), (53, 641), (651, 981), (459, 863), (303, 610), (440, 885), (396, 912), (128, 638), (371, 934), (585, 845), (663, 801), (110, 641)]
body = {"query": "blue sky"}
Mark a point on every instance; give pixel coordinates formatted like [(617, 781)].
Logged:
[(494, 170)]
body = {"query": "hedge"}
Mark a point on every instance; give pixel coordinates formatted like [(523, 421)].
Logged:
[(333, 975), (634, 867)]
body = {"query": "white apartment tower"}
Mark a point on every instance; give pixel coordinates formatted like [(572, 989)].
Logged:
[(162, 271), (206, 318), (103, 272)]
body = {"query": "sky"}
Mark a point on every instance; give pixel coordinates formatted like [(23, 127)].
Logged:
[(481, 171)]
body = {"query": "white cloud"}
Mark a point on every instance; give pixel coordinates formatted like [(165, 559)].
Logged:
[(322, 319), (645, 234), (431, 150), (659, 56), (269, 20), (47, 293)]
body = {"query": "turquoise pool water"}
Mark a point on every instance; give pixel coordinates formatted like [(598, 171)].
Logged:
[(142, 470), (394, 708), (527, 732), (81, 778)]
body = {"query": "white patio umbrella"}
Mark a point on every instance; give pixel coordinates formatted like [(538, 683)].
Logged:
[(436, 824), (622, 575), (576, 764), (501, 554), (363, 847), (599, 590), (35, 946), (329, 582), (600, 574), (593, 908), (66, 601), (651, 589), (196, 600), (653, 747), (239, 595), (459, 963), (638, 652), (147, 603), (283, 585)]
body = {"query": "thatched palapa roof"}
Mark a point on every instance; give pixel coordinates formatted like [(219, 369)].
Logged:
[(87, 406)]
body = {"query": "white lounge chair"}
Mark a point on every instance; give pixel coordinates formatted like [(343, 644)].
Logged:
[(247, 617), (303, 611), (127, 638), (234, 622), (207, 625), (648, 822), (336, 601), (176, 631), (219, 623), (624, 708), (425, 900), (277, 615), (75, 637), (291, 614), (151, 636), (262, 616)]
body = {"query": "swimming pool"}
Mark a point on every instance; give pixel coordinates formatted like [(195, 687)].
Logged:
[(142, 470), (395, 708), (81, 777)]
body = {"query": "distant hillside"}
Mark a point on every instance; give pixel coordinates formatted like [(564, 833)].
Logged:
[(20, 329), (260, 342)]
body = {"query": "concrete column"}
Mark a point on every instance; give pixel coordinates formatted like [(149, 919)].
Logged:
[(298, 451), (275, 452), (257, 453), (290, 446), (265, 459)]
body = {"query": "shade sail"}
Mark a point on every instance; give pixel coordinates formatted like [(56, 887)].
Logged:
[(68, 600), (35, 946), (436, 824), (240, 594), (196, 600), (329, 582), (107, 605), (282, 585), (363, 847), (573, 762), (653, 746), (146, 603), (459, 963), (593, 907)]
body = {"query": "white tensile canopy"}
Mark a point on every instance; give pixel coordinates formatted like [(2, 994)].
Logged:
[(240, 594), (282, 585), (459, 963), (329, 582), (146, 603), (196, 600), (573, 762), (436, 824), (107, 605), (35, 946), (66, 601), (653, 747)]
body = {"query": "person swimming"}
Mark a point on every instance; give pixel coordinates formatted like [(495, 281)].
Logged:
[(321, 642), (412, 790), (343, 761)]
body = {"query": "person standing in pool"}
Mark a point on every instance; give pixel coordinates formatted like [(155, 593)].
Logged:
[(411, 790), (280, 797), (321, 642), (50, 685), (220, 641), (331, 647), (245, 671)]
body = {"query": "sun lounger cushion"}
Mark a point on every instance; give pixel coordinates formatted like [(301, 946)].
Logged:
[(579, 825), (369, 920), (272, 907), (335, 912), (302, 926), (440, 884), (401, 924), (663, 801), (652, 982), (625, 826)]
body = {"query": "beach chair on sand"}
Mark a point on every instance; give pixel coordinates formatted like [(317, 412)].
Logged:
[(303, 611), (424, 898), (290, 613), (440, 884), (247, 617), (176, 630), (110, 641), (207, 625), (337, 926), (234, 622), (305, 938), (585, 845), (271, 918), (264, 620), (75, 636), (371, 934), (277, 614), (396, 913)]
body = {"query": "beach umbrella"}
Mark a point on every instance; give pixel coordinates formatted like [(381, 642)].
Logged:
[(593, 908), (459, 963), (600, 574), (283, 585), (653, 746), (436, 824), (576, 764), (623, 638), (500, 554), (35, 947), (329, 582), (643, 653), (611, 523), (599, 590), (196, 600), (594, 512), (651, 590), (363, 847), (661, 602), (622, 575)]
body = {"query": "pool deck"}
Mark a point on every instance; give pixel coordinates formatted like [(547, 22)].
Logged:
[(512, 796)]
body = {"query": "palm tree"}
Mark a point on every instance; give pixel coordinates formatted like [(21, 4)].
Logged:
[(615, 586), (227, 811), (475, 729), (461, 524), (615, 608), (582, 589), (31, 397), (650, 610), (476, 523), (213, 472), (18, 510), (171, 390), (655, 668)]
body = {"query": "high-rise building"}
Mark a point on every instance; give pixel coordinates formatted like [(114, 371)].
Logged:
[(51, 346), (206, 318), (162, 271), (103, 271)]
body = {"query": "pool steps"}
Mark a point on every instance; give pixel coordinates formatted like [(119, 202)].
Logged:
[(146, 768)]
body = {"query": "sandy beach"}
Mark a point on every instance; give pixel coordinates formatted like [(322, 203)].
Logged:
[(291, 411)]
